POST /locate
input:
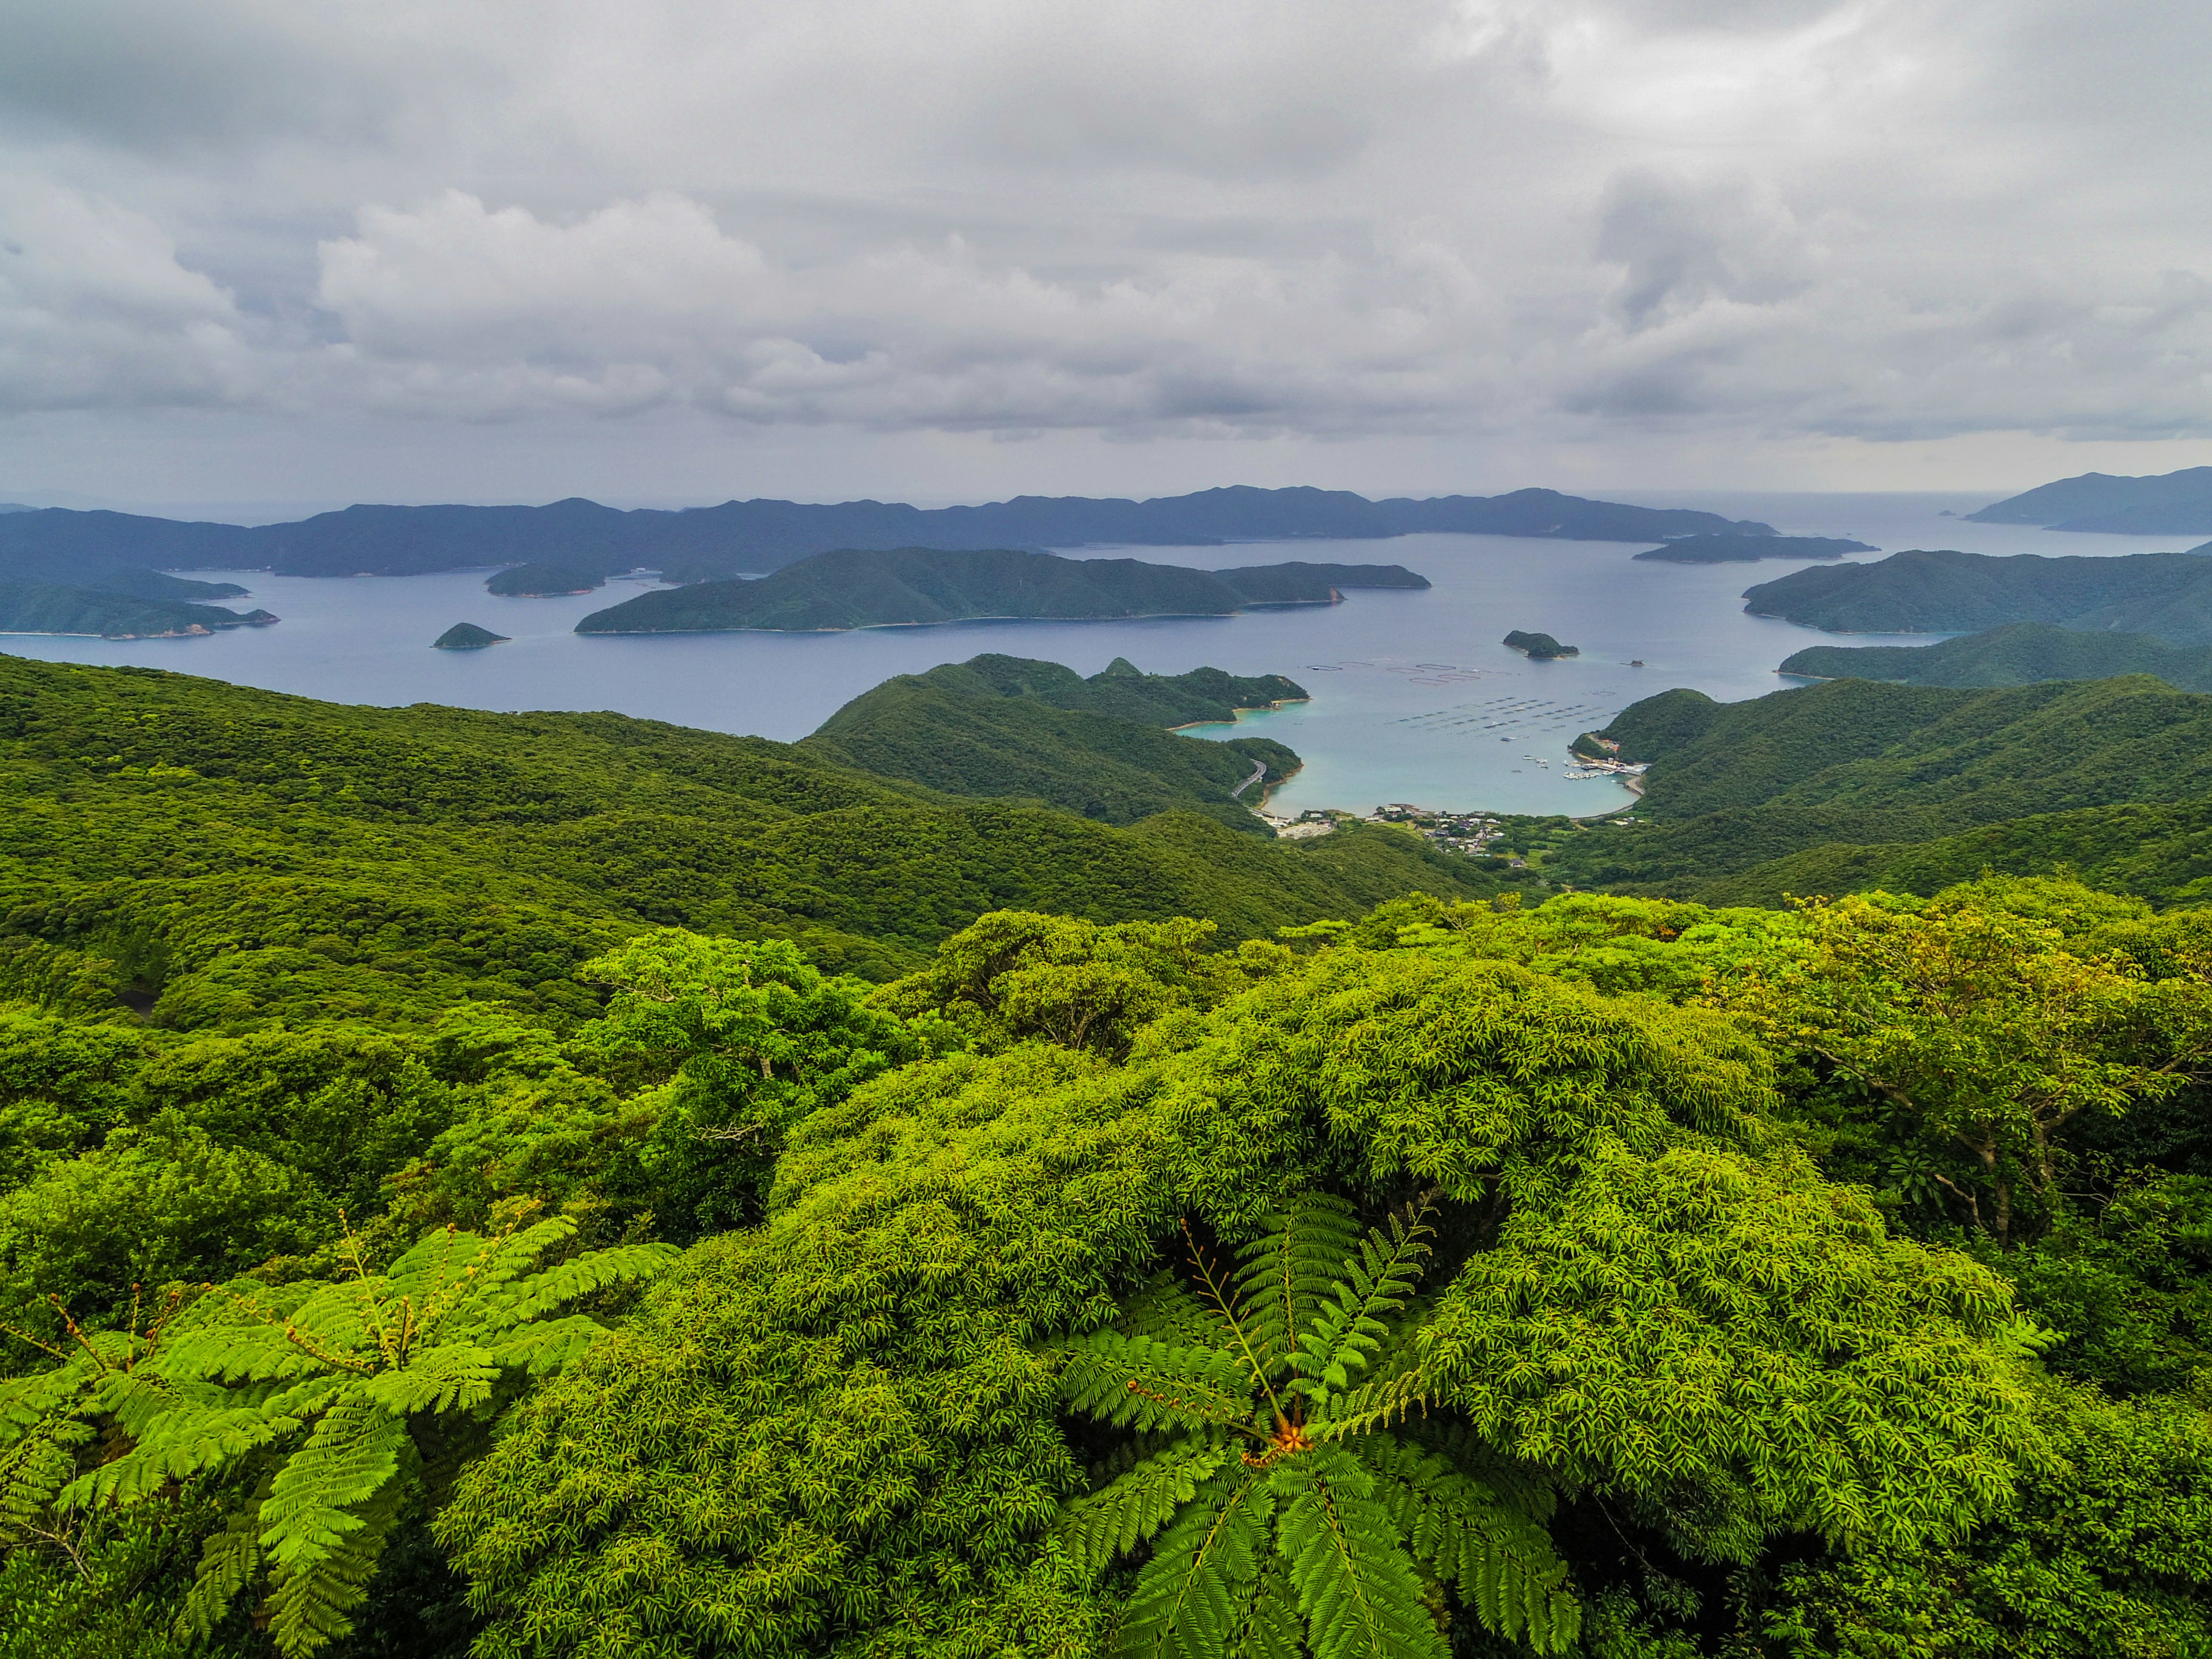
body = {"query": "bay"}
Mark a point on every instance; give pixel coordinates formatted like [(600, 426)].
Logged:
[(1414, 697)]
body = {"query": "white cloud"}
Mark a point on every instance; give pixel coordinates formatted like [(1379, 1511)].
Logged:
[(1583, 221)]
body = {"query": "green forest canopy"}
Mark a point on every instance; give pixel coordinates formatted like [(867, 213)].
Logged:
[(444, 1206)]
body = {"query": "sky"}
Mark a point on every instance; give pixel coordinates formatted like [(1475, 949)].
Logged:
[(269, 254)]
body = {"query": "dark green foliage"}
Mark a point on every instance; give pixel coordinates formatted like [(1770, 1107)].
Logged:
[(1300, 583), (466, 636), (47, 608), (539, 580), (2018, 654), (1121, 690), (1730, 549), (908, 585), (1540, 647), (2168, 595)]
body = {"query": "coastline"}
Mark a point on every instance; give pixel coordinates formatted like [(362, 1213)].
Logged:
[(954, 622)]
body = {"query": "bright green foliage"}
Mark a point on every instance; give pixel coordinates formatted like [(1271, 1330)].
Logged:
[(740, 1042), (320, 1389), (1269, 1380), (1989, 1036)]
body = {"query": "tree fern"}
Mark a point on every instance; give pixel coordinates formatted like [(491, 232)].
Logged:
[(325, 1383), (1271, 1511)]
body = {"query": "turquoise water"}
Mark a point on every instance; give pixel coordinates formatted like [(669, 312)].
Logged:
[(1414, 699)]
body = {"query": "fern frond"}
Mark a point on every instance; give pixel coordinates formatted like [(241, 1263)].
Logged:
[(458, 1374), (1499, 1557), (228, 1561), (238, 1353), (1346, 1330), (1356, 1587), (310, 1596), (1267, 1626), (1283, 1276), (1166, 1311), (35, 1469), (548, 1345), (1183, 1604), (315, 1500), (181, 1441), (502, 1308), (1136, 1382), (1115, 1519)]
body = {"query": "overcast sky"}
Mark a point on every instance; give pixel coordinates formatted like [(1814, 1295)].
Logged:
[(316, 251)]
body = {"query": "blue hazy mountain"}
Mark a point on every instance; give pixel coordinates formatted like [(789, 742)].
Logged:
[(752, 538), (2168, 504)]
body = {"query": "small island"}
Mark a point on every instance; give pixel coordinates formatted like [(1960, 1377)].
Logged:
[(543, 581), (1540, 647), (466, 636), (1744, 550), (917, 586), (49, 608)]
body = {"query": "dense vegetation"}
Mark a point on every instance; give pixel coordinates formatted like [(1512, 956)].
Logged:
[(451, 1200), (714, 543), (2168, 595), (48, 608), (1540, 647), (907, 586), (2171, 504), (1731, 548), (1007, 728), (2018, 654), (1853, 784)]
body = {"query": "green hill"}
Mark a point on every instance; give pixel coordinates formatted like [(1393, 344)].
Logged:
[(2024, 778), (1729, 548), (2166, 594), (44, 608), (2171, 504), (914, 586), (1540, 647), (2020, 653), (982, 728), (1123, 689), (241, 851), (466, 636)]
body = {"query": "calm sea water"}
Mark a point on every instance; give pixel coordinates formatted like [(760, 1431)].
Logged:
[(1414, 698)]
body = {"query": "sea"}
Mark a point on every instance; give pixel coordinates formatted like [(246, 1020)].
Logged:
[(1414, 698)]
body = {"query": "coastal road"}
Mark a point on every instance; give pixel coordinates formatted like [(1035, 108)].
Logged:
[(1259, 771)]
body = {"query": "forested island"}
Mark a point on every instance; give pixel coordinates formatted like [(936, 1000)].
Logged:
[(103, 613), (913, 586), (466, 636), (752, 538), (1736, 549), (1539, 647), (2018, 653), (2171, 504), (538, 582), (2168, 595)]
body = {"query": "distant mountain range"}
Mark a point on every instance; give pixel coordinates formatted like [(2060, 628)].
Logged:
[(2168, 595), (2170, 504), (911, 587), (743, 537)]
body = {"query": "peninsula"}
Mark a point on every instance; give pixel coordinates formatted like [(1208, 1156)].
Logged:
[(2168, 595), (541, 581), (915, 586), (1731, 548), (2018, 653), (1540, 647), (50, 608)]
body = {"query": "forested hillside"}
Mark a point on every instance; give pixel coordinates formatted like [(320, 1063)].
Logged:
[(1006, 728), (2020, 653), (452, 1202), (1854, 783), (2168, 595)]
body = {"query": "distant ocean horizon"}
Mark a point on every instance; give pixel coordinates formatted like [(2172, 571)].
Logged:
[(1414, 697)]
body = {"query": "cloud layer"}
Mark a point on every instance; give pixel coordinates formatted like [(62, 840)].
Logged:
[(1592, 219)]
